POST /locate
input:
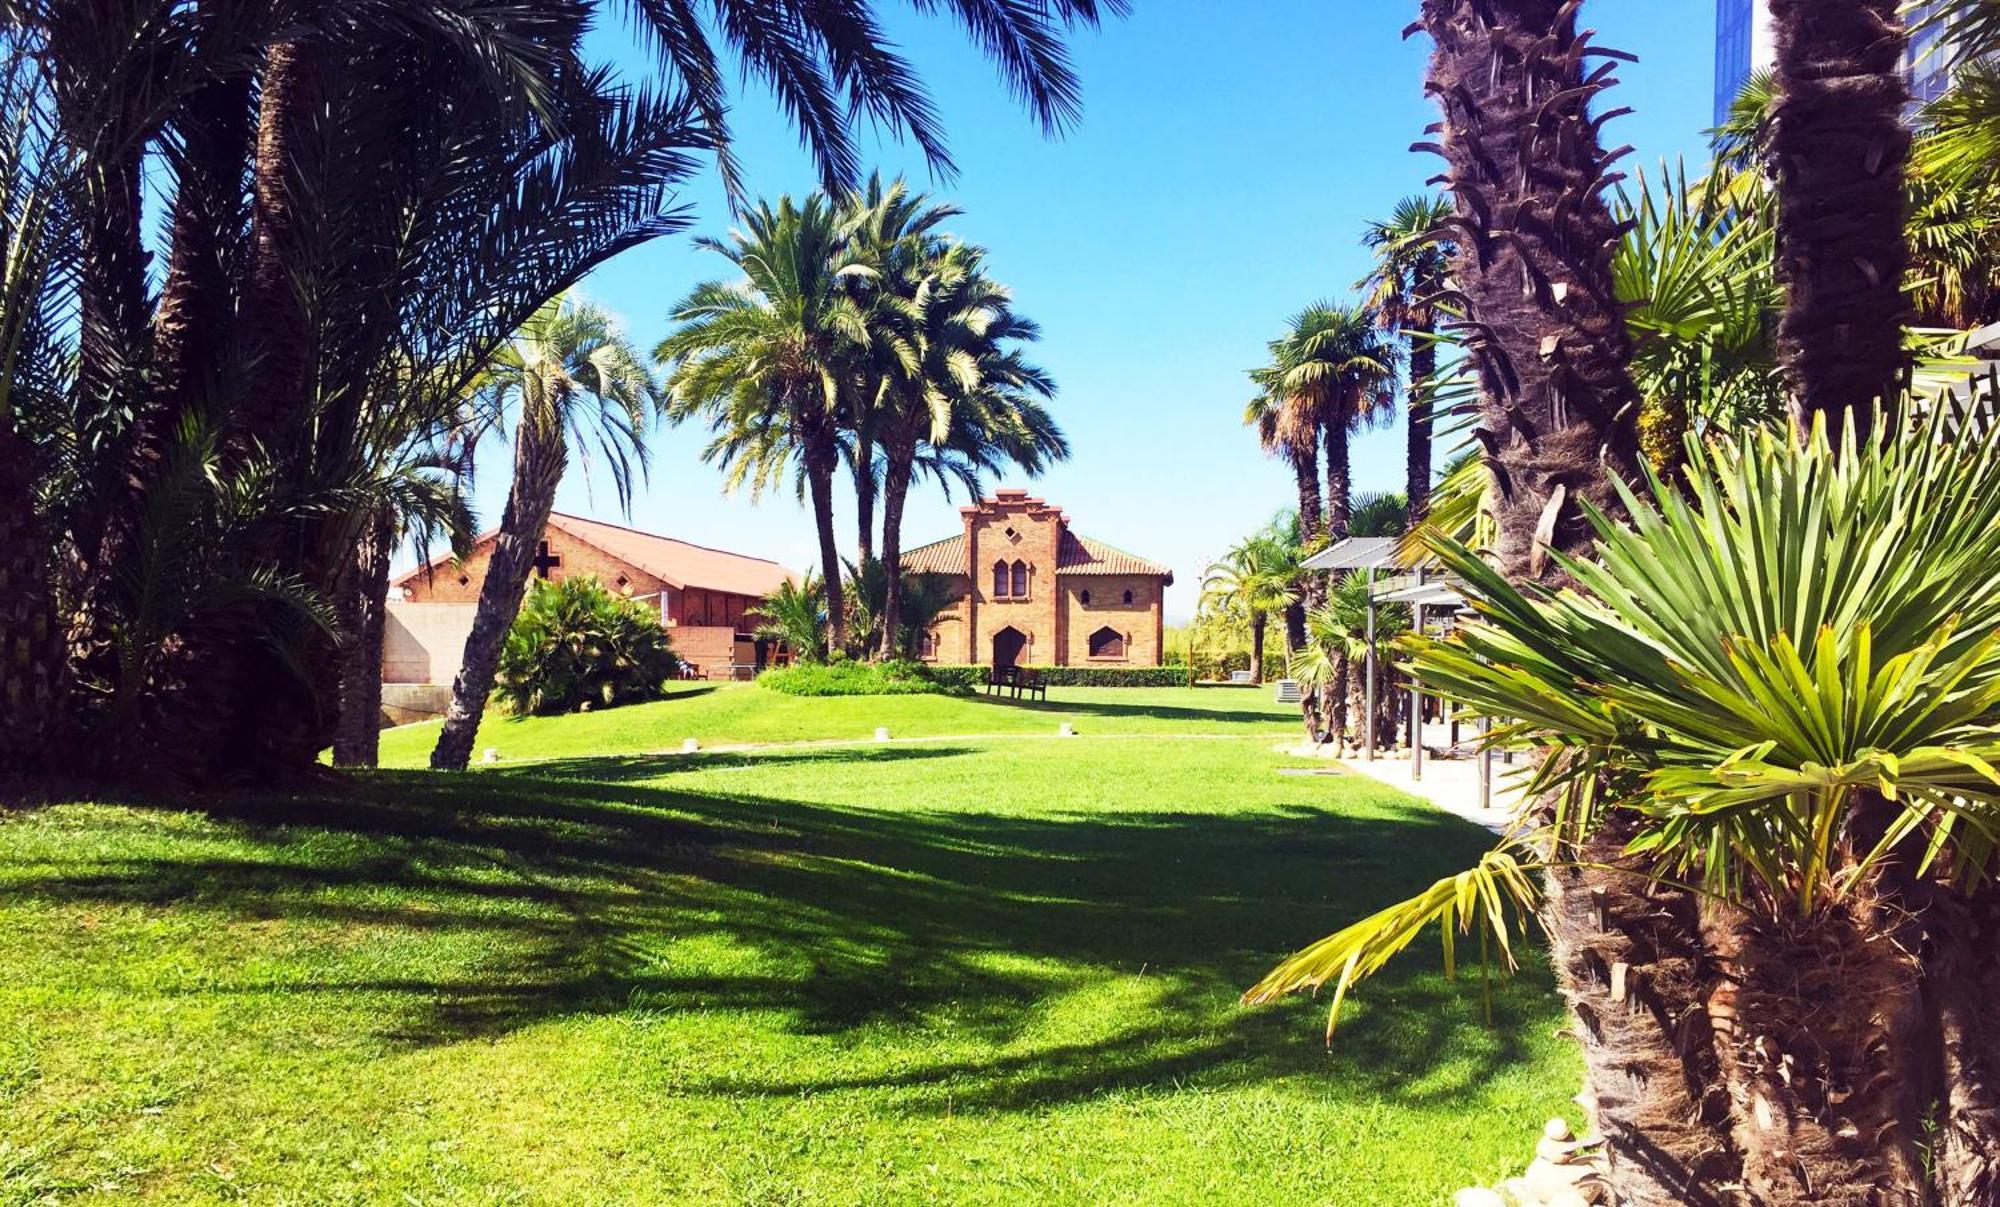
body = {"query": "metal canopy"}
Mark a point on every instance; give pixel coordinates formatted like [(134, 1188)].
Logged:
[(1354, 553), (1430, 595)]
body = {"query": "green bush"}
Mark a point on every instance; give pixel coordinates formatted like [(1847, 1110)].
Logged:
[(972, 677), (575, 646), (845, 678)]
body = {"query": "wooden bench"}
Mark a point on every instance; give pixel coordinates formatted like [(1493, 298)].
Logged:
[(1015, 680)]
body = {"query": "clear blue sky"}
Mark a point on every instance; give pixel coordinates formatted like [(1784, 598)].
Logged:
[(1227, 160)]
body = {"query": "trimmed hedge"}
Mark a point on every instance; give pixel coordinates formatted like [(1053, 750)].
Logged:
[(861, 679), (973, 677)]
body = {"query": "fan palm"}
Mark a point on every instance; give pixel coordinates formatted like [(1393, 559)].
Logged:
[(1340, 369), (1404, 288), (1258, 578), (568, 375), (796, 614), (765, 359)]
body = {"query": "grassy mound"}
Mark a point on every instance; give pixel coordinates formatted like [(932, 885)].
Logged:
[(859, 679)]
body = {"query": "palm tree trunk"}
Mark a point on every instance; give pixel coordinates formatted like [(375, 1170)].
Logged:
[(864, 498), (280, 231), (1417, 440), (1312, 511), (1339, 480), (1534, 241), (1962, 979), (1840, 145), (820, 460), (33, 660), (1256, 647), (540, 457), (895, 492), (364, 613), (192, 326)]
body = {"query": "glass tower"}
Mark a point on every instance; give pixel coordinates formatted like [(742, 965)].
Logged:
[(1735, 33)]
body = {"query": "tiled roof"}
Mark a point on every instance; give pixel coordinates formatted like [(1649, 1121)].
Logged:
[(678, 563), (1078, 555)]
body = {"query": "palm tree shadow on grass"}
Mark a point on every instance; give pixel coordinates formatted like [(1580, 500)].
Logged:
[(867, 924)]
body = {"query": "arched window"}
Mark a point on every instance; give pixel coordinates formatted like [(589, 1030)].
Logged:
[(927, 645), (1086, 599), (999, 580), (1128, 597), (1107, 642), (1020, 580)]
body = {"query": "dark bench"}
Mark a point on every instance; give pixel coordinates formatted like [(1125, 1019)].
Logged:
[(1015, 680)]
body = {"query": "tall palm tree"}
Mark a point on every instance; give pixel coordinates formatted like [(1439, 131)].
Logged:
[(1532, 269), (1338, 369), (766, 358), (569, 374), (1411, 264), (1841, 251), (956, 371)]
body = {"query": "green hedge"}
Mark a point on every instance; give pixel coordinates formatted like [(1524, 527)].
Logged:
[(861, 679), (1075, 676)]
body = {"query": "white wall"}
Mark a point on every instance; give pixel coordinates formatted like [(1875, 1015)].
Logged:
[(424, 642)]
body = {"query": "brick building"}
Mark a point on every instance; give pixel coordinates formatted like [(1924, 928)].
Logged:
[(1031, 592), (706, 597)]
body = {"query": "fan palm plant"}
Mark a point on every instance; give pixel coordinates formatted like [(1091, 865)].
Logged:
[(1338, 368), (764, 359), (1258, 578), (569, 375), (1404, 288), (1778, 684), (796, 614)]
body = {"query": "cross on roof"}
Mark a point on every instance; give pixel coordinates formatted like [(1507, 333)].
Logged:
[(544, 560)]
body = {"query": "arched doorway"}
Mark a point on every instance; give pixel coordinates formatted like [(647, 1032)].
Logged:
[(1007, 646)]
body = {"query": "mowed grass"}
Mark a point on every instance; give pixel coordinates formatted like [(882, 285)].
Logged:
[(741, 712), (961, 971)]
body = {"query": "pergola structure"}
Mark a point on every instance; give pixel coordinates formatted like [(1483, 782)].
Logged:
[(1422, 591)]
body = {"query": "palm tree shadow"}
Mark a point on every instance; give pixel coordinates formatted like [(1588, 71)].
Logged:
[(858, 919)]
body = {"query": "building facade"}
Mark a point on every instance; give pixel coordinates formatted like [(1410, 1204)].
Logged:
[(707, 598), (1745, 42), (1029, 591)]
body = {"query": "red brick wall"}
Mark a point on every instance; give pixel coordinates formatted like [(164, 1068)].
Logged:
[(1137, 622), (444, 586)]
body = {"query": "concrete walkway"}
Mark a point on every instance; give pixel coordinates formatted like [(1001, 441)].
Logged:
[(1450, 784)]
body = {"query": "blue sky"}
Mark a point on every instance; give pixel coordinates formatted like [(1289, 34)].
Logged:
[(1219, 181)]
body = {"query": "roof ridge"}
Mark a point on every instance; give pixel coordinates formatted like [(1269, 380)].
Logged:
[(658, 536)]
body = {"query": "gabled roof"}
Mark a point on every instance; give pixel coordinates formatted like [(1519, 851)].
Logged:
[(677, 563), (1077, 555)]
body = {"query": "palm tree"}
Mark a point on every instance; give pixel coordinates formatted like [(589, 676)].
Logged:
[(1411, 262), (568, 374), (1841, 249), (1336, 366), (955, 375), (1258, 578), (765, 358), (796, 614)]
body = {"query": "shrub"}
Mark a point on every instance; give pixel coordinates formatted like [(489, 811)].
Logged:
[(973, 677), (845, 678), (575, 645)]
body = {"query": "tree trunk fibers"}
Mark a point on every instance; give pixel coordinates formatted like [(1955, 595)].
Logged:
[(895, 493), (1312, 511), (1817, 1025), (1840, 145), (1534, 242), (820, 458), (1419, 420), (1339, 479), (279, 317), (194, 322), (1295, 631), (1962, 985), (364, 613), (1630, 962), (540, 457), (34, 661), (1257, 622), (864, 500)]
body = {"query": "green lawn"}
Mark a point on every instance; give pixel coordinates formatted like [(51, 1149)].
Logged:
[(979, 970)]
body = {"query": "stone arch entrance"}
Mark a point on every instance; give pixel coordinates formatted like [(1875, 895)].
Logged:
[(1008, 645)]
